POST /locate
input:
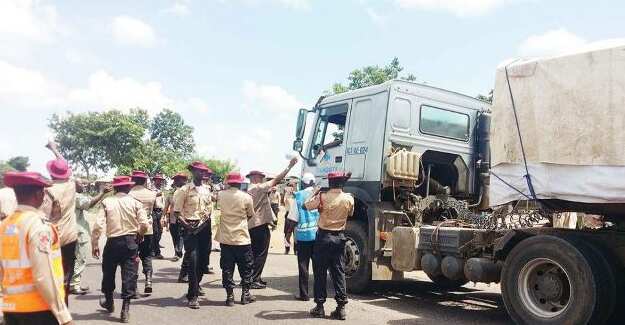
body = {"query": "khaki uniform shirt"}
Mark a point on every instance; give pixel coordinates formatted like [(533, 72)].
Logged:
[(147, 197), (193, 202), (160, 199), (334, 207), (40, 240), (262, 209), (8, 202), (275, 197), (168, 198), (236, 208), (120, 215), (65, 193)]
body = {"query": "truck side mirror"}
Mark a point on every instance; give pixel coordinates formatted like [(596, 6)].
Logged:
[(298, 145), (301, 124)]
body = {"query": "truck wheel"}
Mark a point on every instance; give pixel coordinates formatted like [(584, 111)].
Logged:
[(548, 280), (445, 283), (357, 259)]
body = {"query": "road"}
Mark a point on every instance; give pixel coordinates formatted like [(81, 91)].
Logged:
[(414, 301)]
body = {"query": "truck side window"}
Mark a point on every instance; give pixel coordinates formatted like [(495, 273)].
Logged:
[(330, 129), (444, 123)]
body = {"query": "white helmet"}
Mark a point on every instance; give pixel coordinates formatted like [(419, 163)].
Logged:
[(308, 178)]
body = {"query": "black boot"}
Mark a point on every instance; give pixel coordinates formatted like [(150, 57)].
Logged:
[(107, 303), (125, 316), (229, 297), (148, 283), (318, 311), (339, 313), (247, 297)]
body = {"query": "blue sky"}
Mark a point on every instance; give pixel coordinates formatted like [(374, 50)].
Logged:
[(238, 70)]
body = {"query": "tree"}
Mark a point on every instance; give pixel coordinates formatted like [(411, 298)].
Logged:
[(372, 75), (19, 163), (169, 130), (488, 98), (219, 167)]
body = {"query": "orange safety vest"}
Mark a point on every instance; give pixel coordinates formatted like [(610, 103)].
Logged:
[(18, 286)]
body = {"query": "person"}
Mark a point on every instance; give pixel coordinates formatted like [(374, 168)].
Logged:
[(125, 222), (275, 199), (263, 217), (289, 222), (8, 202), (207, 181), (193, 208), (157, 213), (234, 238), (170, 220), (31, 270), (305, 232), (147, 197), (83, 203), (334, 208), (60, 206)]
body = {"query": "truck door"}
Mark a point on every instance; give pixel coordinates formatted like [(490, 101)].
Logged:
[(328, 147)]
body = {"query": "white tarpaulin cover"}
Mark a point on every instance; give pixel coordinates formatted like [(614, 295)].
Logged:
[(571, 113)]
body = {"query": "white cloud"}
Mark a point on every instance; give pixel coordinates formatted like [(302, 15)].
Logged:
[(104, 91), (27, 19), (22, 87), (271, 97), (179, 8), (290, 4), (457, 7), (552, 42), (295, 4), (132, 31)]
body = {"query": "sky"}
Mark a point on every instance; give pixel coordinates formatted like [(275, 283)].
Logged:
[(238, 70)]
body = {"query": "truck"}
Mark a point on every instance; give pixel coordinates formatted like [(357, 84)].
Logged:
[(420, 159)]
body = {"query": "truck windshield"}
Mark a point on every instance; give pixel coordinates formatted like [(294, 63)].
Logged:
[(330, 129)]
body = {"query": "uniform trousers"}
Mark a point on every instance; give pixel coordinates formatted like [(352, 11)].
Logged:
[(176, 237), (304, 257), (261, 238), (145, 253), (82, 249), (242, 257), (157, 230), (195, 258), (38, 318), (68, 255), (120, 251), (329, 255)]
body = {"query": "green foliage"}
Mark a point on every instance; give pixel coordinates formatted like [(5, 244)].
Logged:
[(488, 98), (19, 163), (220, 167), (372, 75), (4, 167), (168, 130)]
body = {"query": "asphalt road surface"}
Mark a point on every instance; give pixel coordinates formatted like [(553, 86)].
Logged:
[(414, 301)]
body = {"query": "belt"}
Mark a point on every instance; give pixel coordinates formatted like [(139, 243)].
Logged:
[(331, 232)]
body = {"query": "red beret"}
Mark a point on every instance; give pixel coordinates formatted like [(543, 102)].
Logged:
[(139, 174), (234, 178), (180, 175), (14, 179), (158, 176), (122, 181), (201, 166), (255, 173)]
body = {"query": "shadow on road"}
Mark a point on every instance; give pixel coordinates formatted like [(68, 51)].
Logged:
[(282, 314)]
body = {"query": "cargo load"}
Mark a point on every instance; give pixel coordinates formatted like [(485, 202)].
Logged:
[(569, 115)]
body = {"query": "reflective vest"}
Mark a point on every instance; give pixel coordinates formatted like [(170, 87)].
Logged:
[(306, 229), (18, 285)]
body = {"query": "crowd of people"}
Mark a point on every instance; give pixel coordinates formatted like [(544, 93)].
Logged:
[(45, 236)]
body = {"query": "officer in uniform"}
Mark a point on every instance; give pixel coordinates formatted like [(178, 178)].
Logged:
[(193, 208), (305, 232), (334, 208), (157, 214), (234, 238), (147, 197), (263, 217), (31, 269), (124, 221), (170, 220)]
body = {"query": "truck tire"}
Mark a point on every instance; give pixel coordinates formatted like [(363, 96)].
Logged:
[(357, 258), (445, 283), (549, 280)]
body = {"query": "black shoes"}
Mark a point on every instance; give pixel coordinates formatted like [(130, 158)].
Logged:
[(125, 316), (302, 298), (287, 250), (229, 297), (258, 285), (339, 313), (247, 297), (148, 283), (193, 304), (107, 303), (318, 311)]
